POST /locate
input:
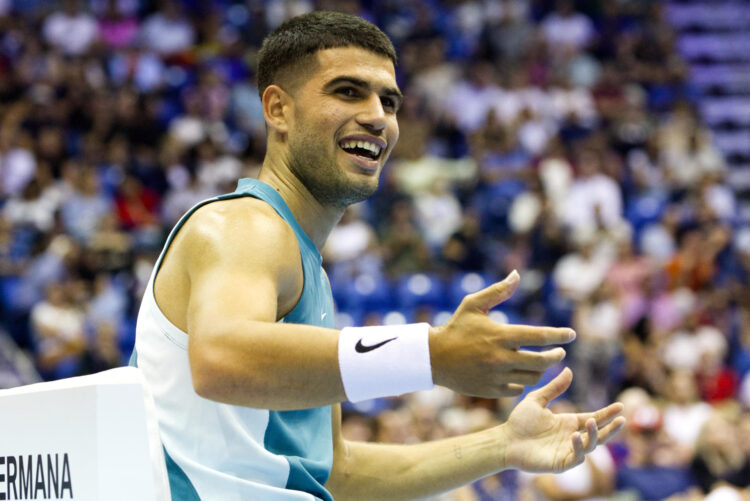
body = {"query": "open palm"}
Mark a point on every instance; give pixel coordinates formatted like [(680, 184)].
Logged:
[(539, 440)]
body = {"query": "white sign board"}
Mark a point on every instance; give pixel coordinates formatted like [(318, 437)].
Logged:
[(90, 438)]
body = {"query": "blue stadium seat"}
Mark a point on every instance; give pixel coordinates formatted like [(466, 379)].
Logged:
[(365, 292), (9, 286), (420, 289)]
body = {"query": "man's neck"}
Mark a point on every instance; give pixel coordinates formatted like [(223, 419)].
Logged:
[(316, 220)]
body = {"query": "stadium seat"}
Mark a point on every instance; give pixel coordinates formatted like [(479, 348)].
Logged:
[(420, 289)]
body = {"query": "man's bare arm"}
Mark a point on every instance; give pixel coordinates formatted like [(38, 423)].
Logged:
[(533, 439), (244, 274)]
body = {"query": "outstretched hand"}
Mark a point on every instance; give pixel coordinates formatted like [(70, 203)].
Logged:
[(474, 355), (538, 440)]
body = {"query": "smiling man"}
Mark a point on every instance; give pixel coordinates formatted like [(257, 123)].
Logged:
[(235, 334)]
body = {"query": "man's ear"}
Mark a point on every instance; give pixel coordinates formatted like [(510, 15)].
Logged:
[(277, 108)]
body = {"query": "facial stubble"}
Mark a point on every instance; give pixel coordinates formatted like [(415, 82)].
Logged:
[(320, 173)]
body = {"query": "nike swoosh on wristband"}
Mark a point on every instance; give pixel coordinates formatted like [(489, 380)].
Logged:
[(360, 348)]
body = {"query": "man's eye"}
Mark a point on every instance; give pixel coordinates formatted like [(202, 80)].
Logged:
[(388, 103), (348, 92)]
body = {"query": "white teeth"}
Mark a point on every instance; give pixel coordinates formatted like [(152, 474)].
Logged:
[(374, 148)]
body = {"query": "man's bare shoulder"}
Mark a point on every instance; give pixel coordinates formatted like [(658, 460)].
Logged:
[(241, 230)]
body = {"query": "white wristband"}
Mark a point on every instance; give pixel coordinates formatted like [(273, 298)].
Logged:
[(384, 361)]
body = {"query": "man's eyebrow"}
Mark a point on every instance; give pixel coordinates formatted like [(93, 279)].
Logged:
[(388, 91)]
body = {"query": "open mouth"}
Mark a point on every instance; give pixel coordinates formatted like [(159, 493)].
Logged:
[(364, 149)]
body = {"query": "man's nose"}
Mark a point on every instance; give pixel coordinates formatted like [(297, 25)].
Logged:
[(372, 116)]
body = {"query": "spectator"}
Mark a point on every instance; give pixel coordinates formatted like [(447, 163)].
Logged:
[(216, 169), (578, 274), (30, 210), (17, 162), (717, 197), (470, 100), (463, 251), (500, 156), (565, 29), (72, 30), (58, 329), (12, 260), (684, 413), (108, 303), (652, 470), (352, 247), (508, 34), (167, 31), (687, 347), (116, 28), (658, 240), (137, 206), (627, 276), (191, 127), (570, 103), (84, 209), (404, 251), (186, 190), (437, 75), (598, 322), (438, 214), (103, 352), (594, 199), (144, 69), (246, 108), (110, 247), (687, 165), (418, 169), (720, 455), (50, 261)]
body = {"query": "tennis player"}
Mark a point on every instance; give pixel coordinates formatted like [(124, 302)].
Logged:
[(235, 333)]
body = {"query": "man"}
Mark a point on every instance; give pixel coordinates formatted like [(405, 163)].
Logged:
[(235, 331)]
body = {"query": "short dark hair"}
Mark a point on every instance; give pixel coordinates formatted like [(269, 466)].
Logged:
[(300, 37)]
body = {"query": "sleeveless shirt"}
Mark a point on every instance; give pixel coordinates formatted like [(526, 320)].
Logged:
[(217, 451)]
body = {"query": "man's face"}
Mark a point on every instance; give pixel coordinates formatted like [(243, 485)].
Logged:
[(344, 125)]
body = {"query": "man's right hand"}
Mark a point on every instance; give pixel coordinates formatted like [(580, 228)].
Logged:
[(474, 355)]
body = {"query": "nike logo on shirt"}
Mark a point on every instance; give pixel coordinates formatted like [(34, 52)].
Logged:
[(360, 348)]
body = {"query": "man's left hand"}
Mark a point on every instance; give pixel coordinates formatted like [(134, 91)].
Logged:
[(538, 440)]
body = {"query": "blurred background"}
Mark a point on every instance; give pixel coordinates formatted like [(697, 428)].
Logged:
[(602, 148)]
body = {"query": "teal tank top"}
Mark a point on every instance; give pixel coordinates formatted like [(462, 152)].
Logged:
[(302, 437)]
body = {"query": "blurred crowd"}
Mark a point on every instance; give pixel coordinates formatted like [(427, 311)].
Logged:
[(558, 138)]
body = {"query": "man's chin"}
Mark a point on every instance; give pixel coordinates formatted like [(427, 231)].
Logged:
[(359, 193)]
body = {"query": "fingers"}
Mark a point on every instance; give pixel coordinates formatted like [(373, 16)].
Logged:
[(491, 296), (578, 448), (553, 389), (527, 367), (602, 416), (523, 378), (510, 390), (536, 360), (592, 436), (515, 336), (610, 430), (597, 431), (584, 444)]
